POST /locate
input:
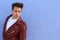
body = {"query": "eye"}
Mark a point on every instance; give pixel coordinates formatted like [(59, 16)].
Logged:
[(19, 11), (15, 11)]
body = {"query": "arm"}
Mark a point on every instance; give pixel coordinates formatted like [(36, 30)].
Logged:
[(22, 34)]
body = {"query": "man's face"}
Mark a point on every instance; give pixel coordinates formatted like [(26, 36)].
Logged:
[(16, 12)]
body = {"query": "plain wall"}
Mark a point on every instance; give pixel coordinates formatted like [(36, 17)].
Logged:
[(41, 16)]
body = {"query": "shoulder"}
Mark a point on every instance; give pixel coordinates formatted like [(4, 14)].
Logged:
[(20, 21), (8, 17), (22, 24)]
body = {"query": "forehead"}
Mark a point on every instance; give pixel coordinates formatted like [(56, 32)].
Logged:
[(17, 8)]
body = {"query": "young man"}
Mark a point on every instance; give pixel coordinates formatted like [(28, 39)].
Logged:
[(14, 27)]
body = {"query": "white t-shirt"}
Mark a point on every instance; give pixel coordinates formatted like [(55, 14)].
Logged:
[(10, 22)]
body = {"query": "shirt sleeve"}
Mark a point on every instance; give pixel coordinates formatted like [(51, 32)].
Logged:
[(22, 34)]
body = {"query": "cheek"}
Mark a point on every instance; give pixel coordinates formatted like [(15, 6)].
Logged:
[(13, 13), (19, 13)]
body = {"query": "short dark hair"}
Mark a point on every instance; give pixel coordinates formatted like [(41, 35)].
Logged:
[(17, 4)]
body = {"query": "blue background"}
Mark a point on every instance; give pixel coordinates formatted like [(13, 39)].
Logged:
[(41, 16)]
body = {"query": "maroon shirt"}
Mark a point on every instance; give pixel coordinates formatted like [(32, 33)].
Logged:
[(17, 31)]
